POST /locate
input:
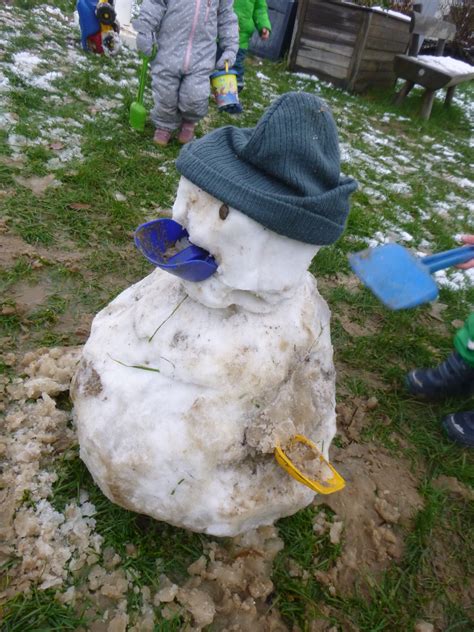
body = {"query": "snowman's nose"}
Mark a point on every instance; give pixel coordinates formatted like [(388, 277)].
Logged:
[(165, 243)]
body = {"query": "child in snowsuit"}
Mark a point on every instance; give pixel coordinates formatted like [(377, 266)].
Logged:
[(252, 15), (454, 376), (185, 34)]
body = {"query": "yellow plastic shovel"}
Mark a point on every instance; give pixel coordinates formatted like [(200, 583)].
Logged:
[(327, 486)]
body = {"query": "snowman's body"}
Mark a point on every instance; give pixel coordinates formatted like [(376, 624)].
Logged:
[(244, 360)]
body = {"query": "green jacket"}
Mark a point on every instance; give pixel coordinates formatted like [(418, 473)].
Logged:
[(252, 14), (464, 339)]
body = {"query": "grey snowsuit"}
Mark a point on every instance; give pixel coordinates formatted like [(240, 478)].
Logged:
[(185, 33)]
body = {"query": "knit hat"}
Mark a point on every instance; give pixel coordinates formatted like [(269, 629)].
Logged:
[(284, 173)]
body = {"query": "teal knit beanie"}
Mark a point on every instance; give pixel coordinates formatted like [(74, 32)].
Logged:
[(284, 173)]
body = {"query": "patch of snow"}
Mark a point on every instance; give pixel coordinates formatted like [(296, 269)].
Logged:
[(306, 77), (7, 120), (464, 183), (455, 279), (446, 64), (44, 81), (402, 188), (4, 83), (395, 14), (25, 63), (374, 193)]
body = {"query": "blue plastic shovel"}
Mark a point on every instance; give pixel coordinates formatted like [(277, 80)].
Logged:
[(158, 241), (400, 279)]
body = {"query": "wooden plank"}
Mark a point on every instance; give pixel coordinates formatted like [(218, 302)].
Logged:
[(332, 16), (403, 37), (335, 49), (295, 40), (316, 67), (379, 55), (390, 22), (376, 66), (460, 79), (359, 49), (432, 27), (328, 35), (323, 57), (375, 78), (383, 44), (410, 69), (367, 80)]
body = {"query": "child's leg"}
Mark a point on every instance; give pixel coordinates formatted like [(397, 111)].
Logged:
[(193, 97), (165, 87), (239, 67)]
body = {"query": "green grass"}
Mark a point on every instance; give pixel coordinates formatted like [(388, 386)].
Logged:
[(39, 612), (299, 600), (116, 159)]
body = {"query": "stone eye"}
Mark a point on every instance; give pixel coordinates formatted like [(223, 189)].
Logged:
[(223, 211)]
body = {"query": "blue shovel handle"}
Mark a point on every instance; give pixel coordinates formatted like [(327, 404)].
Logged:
[(448, 258)]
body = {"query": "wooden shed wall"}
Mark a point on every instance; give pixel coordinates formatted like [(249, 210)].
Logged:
[(327, 38), (349, 45), (386, 37)]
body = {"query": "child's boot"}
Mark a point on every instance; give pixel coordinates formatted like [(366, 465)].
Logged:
[(162, 136), (233, 108), (186, 132), (454, 377), (460, 428)]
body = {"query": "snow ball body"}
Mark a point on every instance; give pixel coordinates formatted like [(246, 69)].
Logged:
[(240, 361)]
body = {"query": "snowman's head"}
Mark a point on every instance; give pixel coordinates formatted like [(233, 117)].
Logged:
[(263, 200), (256, 266)]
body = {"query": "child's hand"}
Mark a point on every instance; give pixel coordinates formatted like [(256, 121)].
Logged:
[(469, 240), (226, 57), (265, 34), (145, 43)]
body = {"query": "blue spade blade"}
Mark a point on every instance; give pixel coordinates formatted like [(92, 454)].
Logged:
[(400, 279), (165, 243)]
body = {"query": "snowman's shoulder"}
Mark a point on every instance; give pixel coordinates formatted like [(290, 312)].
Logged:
[(158, 291)]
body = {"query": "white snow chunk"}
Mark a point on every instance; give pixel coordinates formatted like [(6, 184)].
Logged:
[(447, 64), (44, 81)]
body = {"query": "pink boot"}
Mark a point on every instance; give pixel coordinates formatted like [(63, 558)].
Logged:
[(186, 132), (161, 137)]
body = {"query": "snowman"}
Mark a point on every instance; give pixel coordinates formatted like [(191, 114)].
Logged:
[(190, 381)]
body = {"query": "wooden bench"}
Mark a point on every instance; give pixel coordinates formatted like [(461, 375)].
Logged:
[(432, 72)]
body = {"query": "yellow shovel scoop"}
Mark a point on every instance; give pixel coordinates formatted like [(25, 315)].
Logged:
[(305, 463)]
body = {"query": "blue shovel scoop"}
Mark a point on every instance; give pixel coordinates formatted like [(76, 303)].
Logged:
[(400, 279), (166, 244)]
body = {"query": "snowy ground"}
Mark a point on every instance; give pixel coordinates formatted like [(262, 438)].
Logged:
[(74, 183)]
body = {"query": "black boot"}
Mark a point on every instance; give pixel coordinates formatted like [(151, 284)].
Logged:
[(460, 428), (454, 377)]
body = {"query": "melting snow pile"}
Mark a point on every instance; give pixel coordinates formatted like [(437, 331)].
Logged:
[(47, 542), (185, 389)]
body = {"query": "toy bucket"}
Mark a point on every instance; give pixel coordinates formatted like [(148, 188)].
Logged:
[(165, 243), (224, 87), (310, 469)]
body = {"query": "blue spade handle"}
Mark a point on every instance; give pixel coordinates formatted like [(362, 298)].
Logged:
[(448, 258)]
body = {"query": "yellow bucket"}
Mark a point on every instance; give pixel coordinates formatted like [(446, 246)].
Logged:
[(330, 481), (224, 87)]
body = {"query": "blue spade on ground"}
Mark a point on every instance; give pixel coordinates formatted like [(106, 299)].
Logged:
[(400, 279)]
